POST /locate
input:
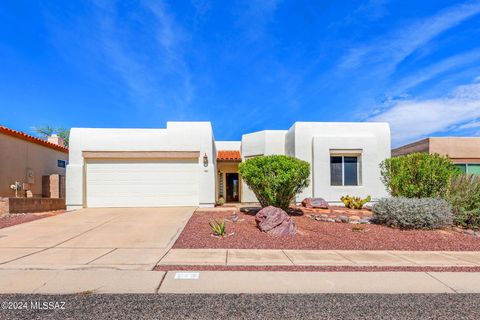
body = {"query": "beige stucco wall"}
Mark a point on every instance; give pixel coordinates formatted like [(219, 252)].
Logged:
[(418, 146), (18, 155), (456, 147)]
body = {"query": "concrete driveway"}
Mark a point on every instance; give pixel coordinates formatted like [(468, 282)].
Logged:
[(106, 238)]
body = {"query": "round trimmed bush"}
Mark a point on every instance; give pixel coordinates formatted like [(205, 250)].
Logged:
[(417, 175), (412, 213), (275, 179)]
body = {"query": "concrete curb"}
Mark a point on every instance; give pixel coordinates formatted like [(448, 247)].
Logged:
[(221, 282), (310, 282)]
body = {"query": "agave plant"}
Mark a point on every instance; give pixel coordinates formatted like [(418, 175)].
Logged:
[(218, 228)]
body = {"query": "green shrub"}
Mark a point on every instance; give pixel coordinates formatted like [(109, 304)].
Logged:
[(218, 228), (464, 196), (412, 213), (417, 175), (354, 202), (275, 179)]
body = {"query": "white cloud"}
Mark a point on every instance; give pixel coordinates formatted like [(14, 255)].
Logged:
[(437, 69), (170, 38), (144, 58), (387, 52), (413, 119), (469, 125)]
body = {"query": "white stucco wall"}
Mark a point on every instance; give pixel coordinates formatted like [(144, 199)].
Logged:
[(178, 136), (261, 143), (228, 145), (264, 143), (313, 142), (309, 141)]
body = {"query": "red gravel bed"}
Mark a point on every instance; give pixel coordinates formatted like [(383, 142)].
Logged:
[(335, 211), (317, 235), (316, 268), (18, 218)]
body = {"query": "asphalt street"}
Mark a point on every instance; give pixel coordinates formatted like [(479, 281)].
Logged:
[(261, 306)]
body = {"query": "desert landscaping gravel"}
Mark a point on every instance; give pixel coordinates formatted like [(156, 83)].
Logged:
[(262, 306), (18, 218), (318, 235), (315, 268)]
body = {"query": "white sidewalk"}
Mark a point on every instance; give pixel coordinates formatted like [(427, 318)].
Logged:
[(109, 281), (274, 257)]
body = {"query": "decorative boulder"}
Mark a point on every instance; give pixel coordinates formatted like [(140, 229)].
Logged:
[(315, 203), (275, 221)]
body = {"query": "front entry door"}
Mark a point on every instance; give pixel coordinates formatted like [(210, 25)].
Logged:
[(232, 187)]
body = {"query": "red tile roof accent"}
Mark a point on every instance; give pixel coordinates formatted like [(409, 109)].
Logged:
[(29, 138), (229, 155)]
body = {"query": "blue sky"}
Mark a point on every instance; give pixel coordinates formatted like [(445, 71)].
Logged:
[(244, 65)]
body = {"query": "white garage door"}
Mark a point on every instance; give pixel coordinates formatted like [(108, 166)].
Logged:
[(134, 183)]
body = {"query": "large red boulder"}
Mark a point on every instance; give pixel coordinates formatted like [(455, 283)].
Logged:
[(275, 221), (315, 203)]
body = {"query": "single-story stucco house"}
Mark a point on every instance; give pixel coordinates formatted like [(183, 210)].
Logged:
[(183, 165), (32, 172), (26, 159)]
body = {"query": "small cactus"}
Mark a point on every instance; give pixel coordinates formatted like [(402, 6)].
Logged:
[(354, 202)]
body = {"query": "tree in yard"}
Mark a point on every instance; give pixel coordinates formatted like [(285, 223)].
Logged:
[(417, 175), (276, 179), (45, 131)]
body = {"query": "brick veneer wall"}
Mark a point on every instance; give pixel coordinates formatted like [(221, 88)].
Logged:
[(23, 205)]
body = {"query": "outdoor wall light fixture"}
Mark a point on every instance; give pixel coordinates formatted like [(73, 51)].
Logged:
[(205, 160)]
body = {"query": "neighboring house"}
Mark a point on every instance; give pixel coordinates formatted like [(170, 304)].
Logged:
[(463, 151), (26, 159), (182, 165)]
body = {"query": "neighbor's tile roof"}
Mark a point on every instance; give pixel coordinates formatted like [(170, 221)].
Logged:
[(29, 138), (231, 155)]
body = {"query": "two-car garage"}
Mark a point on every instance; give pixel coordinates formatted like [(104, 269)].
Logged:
[(131, 167), (141, 181)]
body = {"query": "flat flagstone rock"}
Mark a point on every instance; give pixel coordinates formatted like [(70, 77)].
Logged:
[(257, 257), (60, 256), (195, 257), (430, 258), (317, 257), (374, 258)]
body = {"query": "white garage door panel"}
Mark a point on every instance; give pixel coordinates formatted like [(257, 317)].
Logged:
[(141, 183)]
